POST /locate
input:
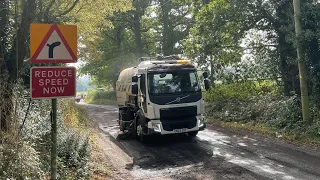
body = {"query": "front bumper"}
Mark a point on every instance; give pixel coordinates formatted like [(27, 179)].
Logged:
[(175, 127)]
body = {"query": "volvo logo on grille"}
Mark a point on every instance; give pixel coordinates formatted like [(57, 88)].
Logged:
[(178, 99)]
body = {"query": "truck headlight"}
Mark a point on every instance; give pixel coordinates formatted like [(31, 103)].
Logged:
[(156, 127), (201, 121)]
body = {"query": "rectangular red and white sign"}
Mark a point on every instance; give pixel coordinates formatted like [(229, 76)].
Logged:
[(52, 82)]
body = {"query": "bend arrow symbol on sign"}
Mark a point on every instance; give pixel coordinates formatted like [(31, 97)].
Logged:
[(51, 47)]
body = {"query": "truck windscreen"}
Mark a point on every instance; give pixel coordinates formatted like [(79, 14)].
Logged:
[(172, 82)]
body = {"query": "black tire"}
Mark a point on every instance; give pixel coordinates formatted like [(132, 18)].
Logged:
[(141, 137), (119, 118), (193, 134), (144, 138), (134, 129), (119, 122)]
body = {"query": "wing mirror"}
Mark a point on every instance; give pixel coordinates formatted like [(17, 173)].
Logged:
[(135, 79), (206, 84), (205, 74), (134, 89)]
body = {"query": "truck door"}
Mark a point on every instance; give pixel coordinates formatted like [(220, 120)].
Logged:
[(142, 93)]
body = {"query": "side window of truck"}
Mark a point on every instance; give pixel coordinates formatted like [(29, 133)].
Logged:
[(194, 82), (143, 84)]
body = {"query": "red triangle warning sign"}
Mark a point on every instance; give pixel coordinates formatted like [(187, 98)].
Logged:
[(54, 49)]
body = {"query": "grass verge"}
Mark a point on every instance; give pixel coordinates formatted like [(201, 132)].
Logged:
[(76, 117), (101, 101), (82, 92), (100, 97), (297, 139)]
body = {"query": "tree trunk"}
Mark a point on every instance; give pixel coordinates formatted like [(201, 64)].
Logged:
[(114, 86), (314, 55), (21, 41), (5, 104), (4, 28), (301, 64), (286, 78), (212, 70), (286, 51), (167, 39), (137, 33), (12, 59)]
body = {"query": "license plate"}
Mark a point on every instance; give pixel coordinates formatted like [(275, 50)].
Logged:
[(180, 130)]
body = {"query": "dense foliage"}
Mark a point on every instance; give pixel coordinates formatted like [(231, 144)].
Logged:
[(153, 27), (25, 138), (25, 152), (16, 17), (240, 91), (260, 32), (100, 97), (255, 40), (281, 113), (249, 47)]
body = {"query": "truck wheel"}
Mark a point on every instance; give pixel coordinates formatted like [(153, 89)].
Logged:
[(139, 134), (119, 117), (134, 129), (119, 122), (193, 134)]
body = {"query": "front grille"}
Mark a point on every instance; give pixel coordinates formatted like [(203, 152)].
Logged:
[(178, 113), (170, 125)]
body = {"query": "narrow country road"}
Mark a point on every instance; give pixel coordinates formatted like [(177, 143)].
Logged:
[(215, 153)]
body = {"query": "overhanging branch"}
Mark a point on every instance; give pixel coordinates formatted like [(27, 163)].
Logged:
[(70, 8), (50, 5)]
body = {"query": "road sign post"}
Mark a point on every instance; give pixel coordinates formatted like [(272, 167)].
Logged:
[(51, 43), (54, 139)]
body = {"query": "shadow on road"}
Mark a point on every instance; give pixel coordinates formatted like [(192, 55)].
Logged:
[(165, 151)]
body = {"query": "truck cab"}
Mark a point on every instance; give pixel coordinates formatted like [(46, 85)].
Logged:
[(164, 97)]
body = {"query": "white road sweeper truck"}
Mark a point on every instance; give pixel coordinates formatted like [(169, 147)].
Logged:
[(161, 96)]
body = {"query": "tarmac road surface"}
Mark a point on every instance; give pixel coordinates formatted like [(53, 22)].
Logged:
[(215, 153)]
